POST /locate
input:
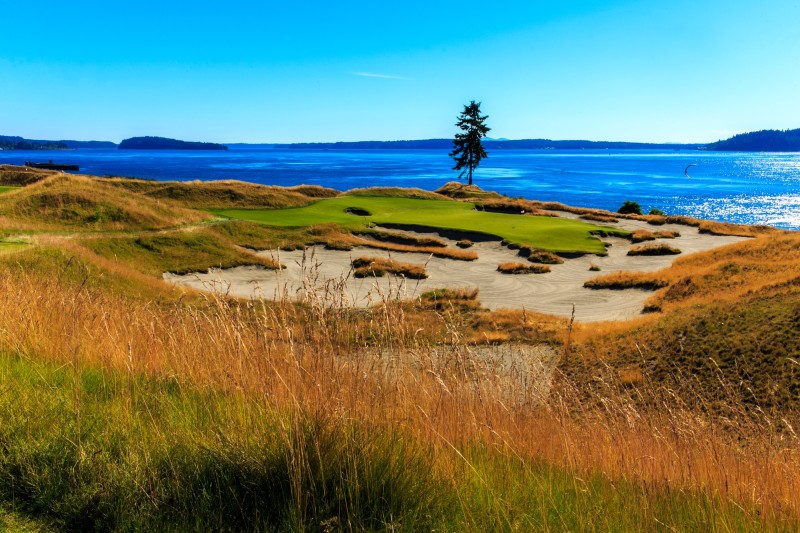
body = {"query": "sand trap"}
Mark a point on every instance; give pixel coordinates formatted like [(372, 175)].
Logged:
[(318, 273)]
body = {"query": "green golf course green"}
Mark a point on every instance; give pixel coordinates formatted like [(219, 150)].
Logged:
[(352, 212)]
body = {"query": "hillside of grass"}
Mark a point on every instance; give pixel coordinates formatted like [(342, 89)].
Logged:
[(224, 194), (65, 201), (729, 315), (16, 176), (353, 212)]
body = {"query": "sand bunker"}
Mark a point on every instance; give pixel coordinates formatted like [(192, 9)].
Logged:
[(318, 273)]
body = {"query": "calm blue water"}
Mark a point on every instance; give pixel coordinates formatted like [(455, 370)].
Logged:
[(747, 188)]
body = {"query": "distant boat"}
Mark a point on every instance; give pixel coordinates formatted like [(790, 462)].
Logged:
[(51, 166)]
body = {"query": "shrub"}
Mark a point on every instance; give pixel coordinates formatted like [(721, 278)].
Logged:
[(630, 208)]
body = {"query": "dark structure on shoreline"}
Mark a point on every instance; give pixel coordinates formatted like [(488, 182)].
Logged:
[(51, 166)]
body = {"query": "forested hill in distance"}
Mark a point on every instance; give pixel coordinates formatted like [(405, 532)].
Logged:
[(162, 143), (760, 141), (19, 143)]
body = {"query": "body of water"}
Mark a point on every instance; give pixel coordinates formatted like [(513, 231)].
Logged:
[(750, 188)]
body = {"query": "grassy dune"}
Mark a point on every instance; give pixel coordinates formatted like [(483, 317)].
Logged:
[(70, 202), (126, 404)]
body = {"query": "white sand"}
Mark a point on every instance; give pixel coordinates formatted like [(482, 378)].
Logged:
[(326, 274)]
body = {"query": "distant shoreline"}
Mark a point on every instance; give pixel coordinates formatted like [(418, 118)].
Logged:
[(759, 141)]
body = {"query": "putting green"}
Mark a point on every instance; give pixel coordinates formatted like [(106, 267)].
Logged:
[(550, 233), (7, 189)]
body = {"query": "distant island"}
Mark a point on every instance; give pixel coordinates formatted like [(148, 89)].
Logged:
[(760, 141), (93, 145), (162, 143)]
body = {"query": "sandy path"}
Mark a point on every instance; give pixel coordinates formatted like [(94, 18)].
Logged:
[(320, 273)]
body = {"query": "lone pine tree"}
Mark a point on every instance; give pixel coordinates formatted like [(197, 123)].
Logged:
[(467, 148)]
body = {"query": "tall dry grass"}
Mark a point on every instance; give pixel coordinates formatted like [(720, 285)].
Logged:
[(388, 368)]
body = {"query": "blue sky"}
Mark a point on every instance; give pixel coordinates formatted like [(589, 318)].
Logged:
[(653, 71)]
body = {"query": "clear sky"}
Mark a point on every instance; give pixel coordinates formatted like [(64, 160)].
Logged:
[(294, 71)]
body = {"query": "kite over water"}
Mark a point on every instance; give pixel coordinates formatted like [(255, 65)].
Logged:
[(686, 170)]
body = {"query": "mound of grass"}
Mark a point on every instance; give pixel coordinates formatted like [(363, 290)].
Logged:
[(654, 249), (537, 255), (521, 268), (177, 252), (395, 192), (379, 266), (450, 299), (549, 233), (465, 243), (224, 194), (514, 206), (260, 237), (625, 280), (644, 235), (401, 238), (67, 201), (455, 189), (600, 217)]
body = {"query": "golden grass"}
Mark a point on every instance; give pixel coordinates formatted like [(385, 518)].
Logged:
[(728, 273), (315, 358), (654, 249), (626, 280), (515, 267), (515, 206), (436, 251), (397, 237), (598, 217), (401, 192), (644, 235), (379, 266), (223, 194)]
